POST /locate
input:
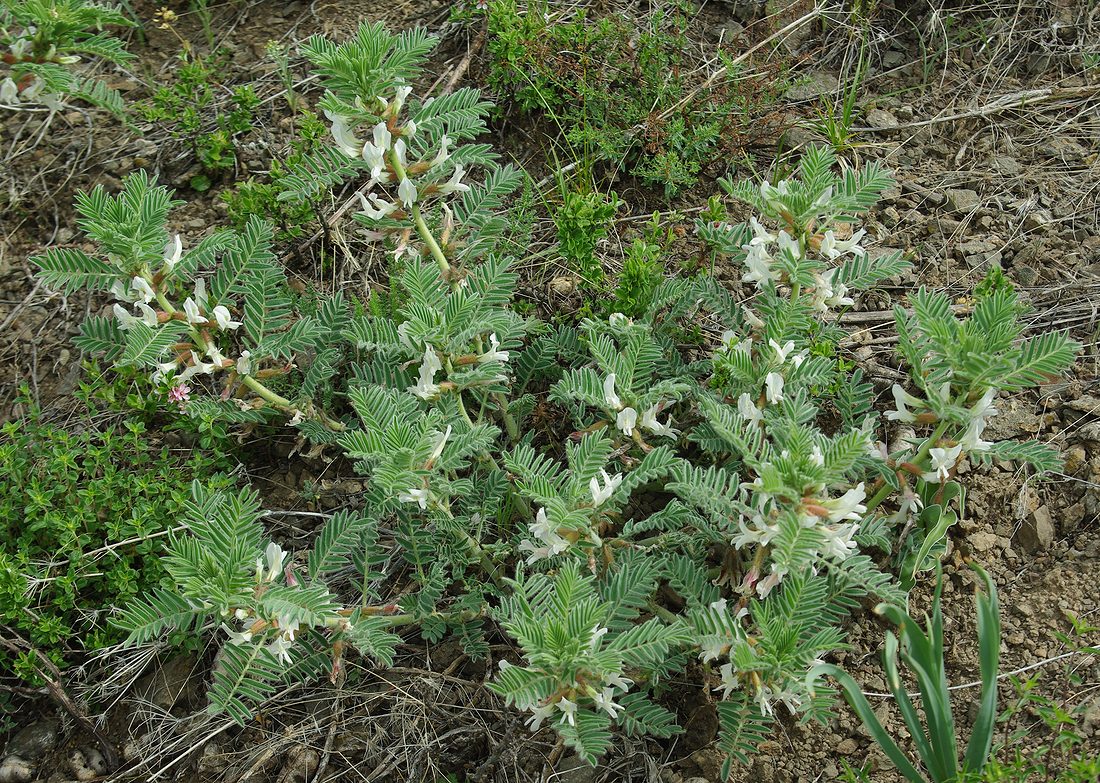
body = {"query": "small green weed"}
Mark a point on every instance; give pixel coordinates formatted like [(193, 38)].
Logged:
[(643, 270), (582, 221), (256, 196), (194, 110), (629, 95), (84, 510)]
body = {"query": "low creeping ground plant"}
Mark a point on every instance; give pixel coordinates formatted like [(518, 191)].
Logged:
[(626, 510)]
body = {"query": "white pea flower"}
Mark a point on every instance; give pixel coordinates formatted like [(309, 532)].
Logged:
[(781, 351), (197, 367), (173, 251), (545, 532), (751, 318), (244, 363), (650, 422), (618, 320), (758, 265), (280, 648), (620, 682), (399, 100), (569, 711), (382, 136), (833, 248), (273, 559), (729, 339), (148, 314), (493, 354), (754, 531), (760, 234), (215, 355), (377, 208), (343, 135), (847, 506), (603, 700), (748, 410), (610, 484), (191, 310), (125, 320), (903, 399), (816, 457), (438, 450), (539, 716), (399, 150), (597, 634), (839, 541), (296, 419), (145, 291), (730, 683), (406, 191), (9, 91), (942, 462), (426, 387), (609, 395), (771, 194), (412, 495), (443, 154), (773, 383), (162, 371), (769, 583), (983, 408), (375, 157), (236, 637), (626, 420), (455, 184), (789, 245), (122, 292), (972, 439), (222, 316), (408, 130)]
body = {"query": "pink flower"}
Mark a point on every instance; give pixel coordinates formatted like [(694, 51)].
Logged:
[(180, 394)]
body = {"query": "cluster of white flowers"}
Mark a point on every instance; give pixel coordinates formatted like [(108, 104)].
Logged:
[(760, 259), (837, 519), (420, 495), (546, 534), (548, 541), (626, 417), (602, 695), (385, 171), (943, 459)]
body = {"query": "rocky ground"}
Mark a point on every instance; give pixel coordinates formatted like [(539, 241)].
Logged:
[(996, 147)]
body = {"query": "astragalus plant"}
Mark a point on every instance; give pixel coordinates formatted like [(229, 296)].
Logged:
[(41, 42), (628, 509)]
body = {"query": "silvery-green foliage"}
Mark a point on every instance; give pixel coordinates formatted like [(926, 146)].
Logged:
[(44, 39), (682, 509)]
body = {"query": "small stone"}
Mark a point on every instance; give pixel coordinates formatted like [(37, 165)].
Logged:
[(815, 85), (1010, 167), (14, 769), (87, 764), (575, 770), (36, 740), (1037, 531), (983, 542), (1037, 220), (880, 118), (847, 747), (963, 200), (563, 285)]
